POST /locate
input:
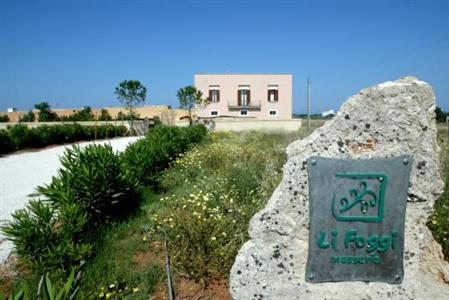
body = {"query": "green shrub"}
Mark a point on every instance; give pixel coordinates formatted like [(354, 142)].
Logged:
[(84, 114), (92, 178), (46, 237), (146, 158), (20, 136), (120, 130), (128, 116), (90, 189), (6, 143), (28, 117), (41, 136), (4, 118), (104, 115)]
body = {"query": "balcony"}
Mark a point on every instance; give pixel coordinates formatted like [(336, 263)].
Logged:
[(251, 105)]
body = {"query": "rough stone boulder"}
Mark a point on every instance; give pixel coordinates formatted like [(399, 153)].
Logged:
[(390, 119)]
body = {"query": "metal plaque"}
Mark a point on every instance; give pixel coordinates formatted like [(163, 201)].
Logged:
[(357, 212)]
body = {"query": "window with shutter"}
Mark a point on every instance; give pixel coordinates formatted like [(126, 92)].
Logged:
[(214, 93), (273, 93), (243, 95)]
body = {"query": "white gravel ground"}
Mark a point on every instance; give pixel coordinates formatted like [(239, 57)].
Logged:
[(21, 173)]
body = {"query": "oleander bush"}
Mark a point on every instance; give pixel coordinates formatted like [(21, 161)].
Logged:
[(6, 143), (48, 238), (146, 158), (56, 231), (20, 136), (94, 179)]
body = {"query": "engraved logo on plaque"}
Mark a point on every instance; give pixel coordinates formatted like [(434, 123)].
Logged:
[(364, 201)]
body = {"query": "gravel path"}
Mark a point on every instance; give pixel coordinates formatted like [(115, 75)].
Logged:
[(21, 173)]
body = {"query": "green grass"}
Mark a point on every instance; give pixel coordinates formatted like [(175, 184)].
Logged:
[(121, 257), (439, 221)]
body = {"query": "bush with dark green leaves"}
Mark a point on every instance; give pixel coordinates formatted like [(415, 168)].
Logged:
[(6, 143), (146, 158), (126, 117), (84, 114), (104, 115), (56, 231), (20, 136), (4, 118), (48, 238), (28, 117), (94, 179)]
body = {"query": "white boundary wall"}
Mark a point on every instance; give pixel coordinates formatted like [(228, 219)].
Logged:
[(244, 125)]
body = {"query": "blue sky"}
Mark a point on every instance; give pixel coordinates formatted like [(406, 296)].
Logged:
[(74, 52)]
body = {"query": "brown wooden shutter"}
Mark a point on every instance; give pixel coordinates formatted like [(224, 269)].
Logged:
[(238, 97), (276, 95), (249, 96), (268, 97), (210, 95), (218, 95)]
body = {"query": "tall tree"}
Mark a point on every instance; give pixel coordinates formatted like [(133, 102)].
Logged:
[(131, 93), (189, 97)]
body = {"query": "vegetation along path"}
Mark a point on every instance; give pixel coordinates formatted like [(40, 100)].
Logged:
[(21, 173)]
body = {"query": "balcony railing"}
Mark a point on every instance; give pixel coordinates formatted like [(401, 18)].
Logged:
[(238, 105)]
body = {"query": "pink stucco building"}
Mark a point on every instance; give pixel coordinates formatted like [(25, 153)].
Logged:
[(259, 96)]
